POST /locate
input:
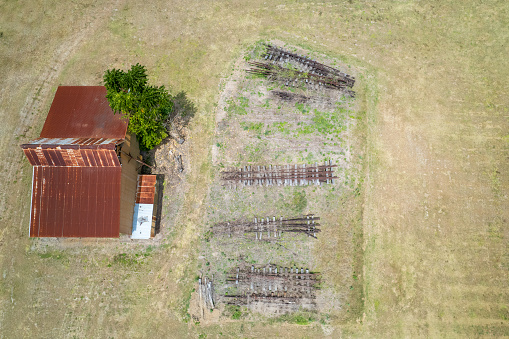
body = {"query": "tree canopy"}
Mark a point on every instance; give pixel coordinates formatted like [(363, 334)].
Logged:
[(147, 107)]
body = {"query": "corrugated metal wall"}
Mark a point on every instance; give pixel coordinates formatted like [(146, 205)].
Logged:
[(130, 170)]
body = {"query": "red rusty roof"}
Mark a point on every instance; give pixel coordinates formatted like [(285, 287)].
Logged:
[(76, 183), (83, 112), (72, 157), (70, 142), (146, 189), (75, 202)]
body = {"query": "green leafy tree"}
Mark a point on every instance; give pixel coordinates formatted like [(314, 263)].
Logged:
[(147, 107)]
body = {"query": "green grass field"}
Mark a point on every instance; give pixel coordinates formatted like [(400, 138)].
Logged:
[(432, 77)]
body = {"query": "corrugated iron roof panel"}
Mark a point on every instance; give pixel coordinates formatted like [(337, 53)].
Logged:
[(31, 157), (59, 159), (72, 143), (82, 112), (90, 157), (145, 191), (147, 180), (75, 202), (50, 157), (72, 157)]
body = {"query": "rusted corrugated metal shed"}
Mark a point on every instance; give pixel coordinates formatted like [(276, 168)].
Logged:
[(83, 112), (77, 172), (75, 202)]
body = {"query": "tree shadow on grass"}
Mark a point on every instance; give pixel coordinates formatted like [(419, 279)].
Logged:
[(183, 108), (182, 113)]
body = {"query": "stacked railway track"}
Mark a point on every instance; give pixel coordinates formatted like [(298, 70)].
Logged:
[(291, 76), (286, 175), (268, 229), (272, 284), (276, 54), (302, 71)]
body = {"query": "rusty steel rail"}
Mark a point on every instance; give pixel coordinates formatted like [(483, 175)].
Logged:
[(290, 75), (288, 175), (272, 283), (276, 54), (285, 301), (280, 298), (299, 98), (268, 229)]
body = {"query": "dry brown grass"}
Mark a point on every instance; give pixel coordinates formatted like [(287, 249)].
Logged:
[(435, 213)]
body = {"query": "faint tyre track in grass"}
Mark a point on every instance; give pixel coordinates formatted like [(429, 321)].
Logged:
[(28, 115), (41, 89)]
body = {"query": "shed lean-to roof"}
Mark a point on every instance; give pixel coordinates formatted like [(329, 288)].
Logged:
[(146, 189), (77, 174)]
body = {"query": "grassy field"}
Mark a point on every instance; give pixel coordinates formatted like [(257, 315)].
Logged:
[(433, 77)]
